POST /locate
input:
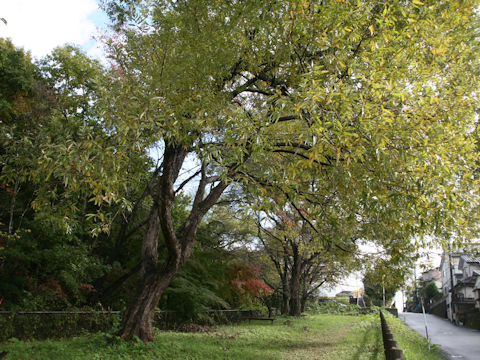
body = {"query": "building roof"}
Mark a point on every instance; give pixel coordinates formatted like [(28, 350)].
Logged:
[(468, 282), (471, 259), (446, 258)]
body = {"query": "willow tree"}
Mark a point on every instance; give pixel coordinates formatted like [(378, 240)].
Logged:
[(379, 95)]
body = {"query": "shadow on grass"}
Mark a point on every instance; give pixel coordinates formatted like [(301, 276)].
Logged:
[(373, 347)]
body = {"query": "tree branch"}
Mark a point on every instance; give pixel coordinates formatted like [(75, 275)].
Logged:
[(180, 187)]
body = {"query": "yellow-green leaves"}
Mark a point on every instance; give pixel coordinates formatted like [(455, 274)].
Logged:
[(365, 97)]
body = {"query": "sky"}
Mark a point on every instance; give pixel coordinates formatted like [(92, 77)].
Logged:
[(39, 26)]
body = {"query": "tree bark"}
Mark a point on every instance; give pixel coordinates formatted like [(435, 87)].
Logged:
[(295, 282), (138, 320), (285, 287), (179, 243)]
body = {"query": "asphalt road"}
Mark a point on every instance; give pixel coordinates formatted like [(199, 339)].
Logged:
[(457, 342)]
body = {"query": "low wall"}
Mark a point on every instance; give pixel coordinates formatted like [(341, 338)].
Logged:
[(392, 352)]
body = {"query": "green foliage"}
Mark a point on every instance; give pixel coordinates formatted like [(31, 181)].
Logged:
[(54, 325), (53, 150), (334, 307), (388, 274), (355, 105), (431, 290), (43, 273), (189, 298), (16, 79)]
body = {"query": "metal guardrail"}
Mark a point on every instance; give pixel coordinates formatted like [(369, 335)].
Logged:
[(392, 352)]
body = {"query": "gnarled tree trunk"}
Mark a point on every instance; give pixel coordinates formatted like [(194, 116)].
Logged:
[(179, 243), (138, 320)]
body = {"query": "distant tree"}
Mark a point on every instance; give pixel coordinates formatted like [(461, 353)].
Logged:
[(386, 276), (303, 259), (431, 290)]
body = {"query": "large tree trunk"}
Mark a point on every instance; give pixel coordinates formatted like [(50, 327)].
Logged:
[(303, 300), (138, 320), (285, 288), (179, 243), (295, 283)]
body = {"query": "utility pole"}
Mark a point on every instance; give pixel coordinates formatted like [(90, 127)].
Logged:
[(415, 290), (425, 320), (383, 289), (452, 291)]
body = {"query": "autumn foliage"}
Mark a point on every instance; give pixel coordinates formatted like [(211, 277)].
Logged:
[(246, 284)]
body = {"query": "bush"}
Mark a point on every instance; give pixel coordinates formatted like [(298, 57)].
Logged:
[(333, 307), (45, 325)]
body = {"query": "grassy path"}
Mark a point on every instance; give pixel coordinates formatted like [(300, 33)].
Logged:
[(329, 337)]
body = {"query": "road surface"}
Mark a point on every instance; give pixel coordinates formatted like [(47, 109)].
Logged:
[(457, 342)]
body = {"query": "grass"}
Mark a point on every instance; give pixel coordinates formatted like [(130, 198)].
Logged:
[(414, 345), (326, 337)]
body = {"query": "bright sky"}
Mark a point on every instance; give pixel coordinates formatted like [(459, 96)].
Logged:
[(41, 25)]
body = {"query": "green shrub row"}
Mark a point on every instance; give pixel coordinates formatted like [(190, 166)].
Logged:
[(338, 308), (26, 326)]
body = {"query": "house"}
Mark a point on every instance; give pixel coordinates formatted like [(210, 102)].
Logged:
[(345, 293), (460, 273), (432, 275), (476, 289), (470, 267), (450, 273)]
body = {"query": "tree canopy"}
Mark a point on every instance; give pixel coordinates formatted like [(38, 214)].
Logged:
[(358, 117)]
